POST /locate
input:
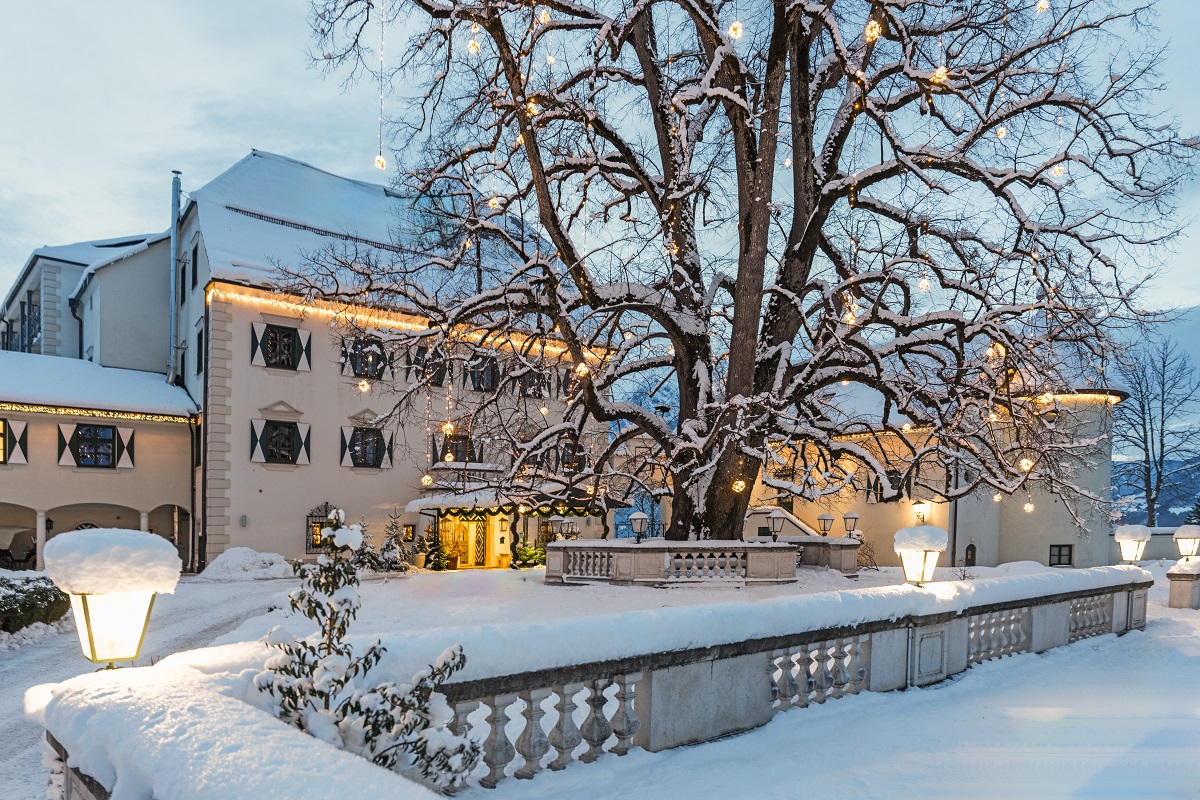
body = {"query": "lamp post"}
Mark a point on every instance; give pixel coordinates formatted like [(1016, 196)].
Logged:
[(776, 518), (556, 526), (921, 509), (112, 576), (850, 520), (639, 521), (825, 521), (1132, 540), (1187, 538), (919, 548)]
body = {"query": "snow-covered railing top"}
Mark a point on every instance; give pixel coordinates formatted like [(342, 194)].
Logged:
[(109, 560)]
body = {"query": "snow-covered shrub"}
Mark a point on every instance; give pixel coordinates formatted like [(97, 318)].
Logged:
[(530, 555), (245, 564), (436, 558), (395, 555), (365, 558), (24, 601), (319, 683)]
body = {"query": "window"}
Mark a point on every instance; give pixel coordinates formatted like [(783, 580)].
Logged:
[(367, 357), (199, 352), (182, 283), (195, 264), (198, 446), (483, 373), (458, 445), (94, 446), (532, 384), (1062, 555), (281, 442), (280, 347), (426, 366), (366, 447), (572, 457), (3, 441)]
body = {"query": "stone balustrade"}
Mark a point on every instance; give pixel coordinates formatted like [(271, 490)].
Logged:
[(657, 701), (1185, 585), (664, 563)]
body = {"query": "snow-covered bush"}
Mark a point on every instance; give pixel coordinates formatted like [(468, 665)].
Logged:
[(245, 564), (25, 601), (318, 682), (395, 555)]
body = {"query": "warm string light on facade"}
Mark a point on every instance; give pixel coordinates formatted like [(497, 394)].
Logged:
[(68, 411)]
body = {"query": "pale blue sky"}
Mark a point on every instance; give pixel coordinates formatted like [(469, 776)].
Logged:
[(103, 100)]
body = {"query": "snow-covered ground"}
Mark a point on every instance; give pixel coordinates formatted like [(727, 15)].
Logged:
[(1107, 717)]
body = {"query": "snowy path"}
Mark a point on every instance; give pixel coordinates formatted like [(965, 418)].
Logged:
[(192, 617)]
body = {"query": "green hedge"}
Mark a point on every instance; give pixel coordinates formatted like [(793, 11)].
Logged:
[(24, 602)]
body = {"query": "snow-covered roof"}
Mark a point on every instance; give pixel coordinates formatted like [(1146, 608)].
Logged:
[(481, 498), (73, 383), (84, 254), (268, 211), (119, 255)]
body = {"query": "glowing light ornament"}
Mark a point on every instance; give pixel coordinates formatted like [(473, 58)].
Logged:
[(494, 202), (872, 31), (531, 108), (364, 386), (583, 370), (1026, 464), (473, 47), (1001, 132), (1043, 6), (380, 162), (940, 75), (1057, 170), (923, 284), (544, 411), (1029, 508), (544, 16), (448, 428), (736, 30), (739, 486), (449, 458), (550, 59), (427, 480), (996, 498), (787, 162)]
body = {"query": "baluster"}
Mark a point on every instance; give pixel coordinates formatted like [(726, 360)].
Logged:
[(532, 744), (841, 676), (497, 749), (596, 729), (1002, 640), (723, 564), (804, 680), (864, 664), (459, 726), (853, 670), (822, 676), (565, 735), (625, 722), (783, 688)]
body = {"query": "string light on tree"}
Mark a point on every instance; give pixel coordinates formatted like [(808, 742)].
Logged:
[(923, 284), (448, 428), (1026, 464), (380, 161), (736, 30), (1001, 132), (1029, 508), (739, 486), (873, 30), (427, 480), (1043, 6), (473, 47), (940, 75)]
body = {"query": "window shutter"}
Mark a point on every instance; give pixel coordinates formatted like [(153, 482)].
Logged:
[(345, 457), (124, 448), (386, 463), (256, 445), (257, 330), (390, 369), (433, 448), (304, 359), (66, 458), (16, 444), (302, 440), (347, 368)]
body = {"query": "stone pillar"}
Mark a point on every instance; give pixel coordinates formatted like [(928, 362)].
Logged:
[(41, 538), (1185, 589), (144, 522)]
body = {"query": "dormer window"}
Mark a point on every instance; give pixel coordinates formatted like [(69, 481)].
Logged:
[(367, 357)]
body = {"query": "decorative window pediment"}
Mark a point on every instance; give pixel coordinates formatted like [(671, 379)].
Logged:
[(364, 419), (281, 409)]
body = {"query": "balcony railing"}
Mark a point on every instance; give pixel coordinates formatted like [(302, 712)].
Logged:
[(27, 333)]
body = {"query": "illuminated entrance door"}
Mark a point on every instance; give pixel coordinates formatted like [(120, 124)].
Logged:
[(479, 540)]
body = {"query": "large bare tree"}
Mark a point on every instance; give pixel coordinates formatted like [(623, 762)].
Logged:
[(1157, 429), (866, 238)]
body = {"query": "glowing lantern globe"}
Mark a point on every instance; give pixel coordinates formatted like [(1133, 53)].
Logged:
[(1132, 539), (112, 576), (919, 547), (1187, 538)]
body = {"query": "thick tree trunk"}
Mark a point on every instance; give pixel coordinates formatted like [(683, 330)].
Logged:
[(723, 514)]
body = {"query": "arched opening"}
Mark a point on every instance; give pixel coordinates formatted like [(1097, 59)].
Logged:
[(80, 516), (971, 555), (18, 536), (175, 523)]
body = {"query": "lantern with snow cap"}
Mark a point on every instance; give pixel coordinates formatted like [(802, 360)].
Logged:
[(639, 521), (1187, 537), (1132, 541), (776, 519), (825, 521), (919, 547), (112, 576)]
